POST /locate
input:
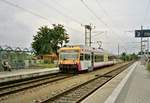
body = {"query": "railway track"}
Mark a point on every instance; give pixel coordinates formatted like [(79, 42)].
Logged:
[(80, 92), (11, 88)]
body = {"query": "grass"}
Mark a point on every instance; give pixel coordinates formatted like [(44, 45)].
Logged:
[(148, 67), (46, 65), (42, 66)]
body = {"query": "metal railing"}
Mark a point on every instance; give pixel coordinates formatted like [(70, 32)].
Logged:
[(14, 56)]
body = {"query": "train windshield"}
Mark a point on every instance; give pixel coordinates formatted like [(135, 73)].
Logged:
[(69, 54)]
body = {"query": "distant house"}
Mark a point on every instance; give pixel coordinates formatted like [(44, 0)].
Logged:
[(48, 58)]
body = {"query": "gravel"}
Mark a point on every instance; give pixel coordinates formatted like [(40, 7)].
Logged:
[(39, 93)]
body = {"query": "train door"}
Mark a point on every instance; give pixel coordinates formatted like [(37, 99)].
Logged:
[(92, 62), (92, 59)]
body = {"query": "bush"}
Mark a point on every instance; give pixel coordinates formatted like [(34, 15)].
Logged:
[(148, 67)]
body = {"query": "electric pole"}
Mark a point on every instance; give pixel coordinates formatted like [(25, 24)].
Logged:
[(141, 42), (118, 50), (88, 30), (148, 46)]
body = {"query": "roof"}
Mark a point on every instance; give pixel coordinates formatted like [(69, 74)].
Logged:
[(83, 47), (79, 47)]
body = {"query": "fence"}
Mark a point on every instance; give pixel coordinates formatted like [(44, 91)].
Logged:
[(17, 57)]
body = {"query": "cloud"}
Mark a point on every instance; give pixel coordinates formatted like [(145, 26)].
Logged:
[(12, 32), (17, 27)]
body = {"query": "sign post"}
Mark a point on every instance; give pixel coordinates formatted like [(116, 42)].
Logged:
[(143, 33)]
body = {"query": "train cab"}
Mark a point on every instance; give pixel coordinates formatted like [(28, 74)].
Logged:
[(69, 59)]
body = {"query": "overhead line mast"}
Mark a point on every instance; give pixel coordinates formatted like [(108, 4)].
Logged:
[(88, 30), (100, 19)]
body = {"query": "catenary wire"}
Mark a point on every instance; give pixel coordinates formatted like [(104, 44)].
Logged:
[(31, 12)]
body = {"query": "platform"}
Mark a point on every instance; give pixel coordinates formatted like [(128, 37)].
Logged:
[(25, 73), (134, 88), (137, 88), (110, 91)]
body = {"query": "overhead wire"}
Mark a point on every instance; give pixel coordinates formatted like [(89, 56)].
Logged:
[(50, 6), (77, 21), (31, 12), (104, 10), (100, 19), (24, 9), (34, 13), (146, 12), (60, 12)]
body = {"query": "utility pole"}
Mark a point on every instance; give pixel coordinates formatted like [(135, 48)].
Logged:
[(118, 50), (147, 45), (88, 35), (88, 30), (144, 43), (141, 42)]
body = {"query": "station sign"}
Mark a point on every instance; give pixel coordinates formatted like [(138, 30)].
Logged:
[(142, 33)]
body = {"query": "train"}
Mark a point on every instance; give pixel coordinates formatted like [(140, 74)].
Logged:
[(78, 58)]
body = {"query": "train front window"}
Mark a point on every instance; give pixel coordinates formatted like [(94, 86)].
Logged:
[(69, 54)]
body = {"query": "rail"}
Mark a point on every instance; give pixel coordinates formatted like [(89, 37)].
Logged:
[(78, 93)]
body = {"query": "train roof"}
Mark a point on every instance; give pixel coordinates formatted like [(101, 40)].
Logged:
[(83, 47)]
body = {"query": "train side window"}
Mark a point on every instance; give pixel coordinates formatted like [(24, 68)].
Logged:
[(99, 58), (96, 58), (110, 58), (87, 56), (81, 56)]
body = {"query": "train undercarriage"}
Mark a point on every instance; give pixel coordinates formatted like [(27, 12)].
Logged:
[(68, 68)]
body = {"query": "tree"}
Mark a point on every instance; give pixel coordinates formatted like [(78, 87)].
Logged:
[(49, 40), (128, 57), (134, 56), (123, 56)]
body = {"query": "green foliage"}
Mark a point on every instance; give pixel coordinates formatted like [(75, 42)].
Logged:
[(128, 57), (134, 56), (46, 65), (49, 40), (123, 56), (148, 67)]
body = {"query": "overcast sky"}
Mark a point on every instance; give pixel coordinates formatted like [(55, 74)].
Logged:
[(20, 20)]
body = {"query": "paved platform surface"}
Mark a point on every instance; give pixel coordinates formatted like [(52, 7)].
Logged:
[(137, 88), (25, 73), (102, 94)]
